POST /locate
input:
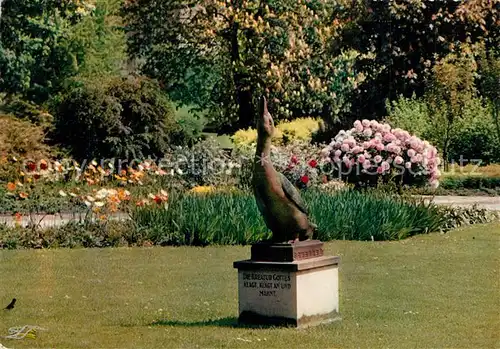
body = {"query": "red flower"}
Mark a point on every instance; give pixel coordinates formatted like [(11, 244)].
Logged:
[(294, 159), (43, 165), (31, 166), (304, 179), (313, 163)]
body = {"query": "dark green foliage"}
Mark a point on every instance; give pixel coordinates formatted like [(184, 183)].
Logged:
[(406, 39), (226, 219), (124, 118), (35, 52), (191, 125), (233, 218), (353, 215), (470, 182)]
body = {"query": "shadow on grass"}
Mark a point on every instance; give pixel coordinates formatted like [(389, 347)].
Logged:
[(231, 322)]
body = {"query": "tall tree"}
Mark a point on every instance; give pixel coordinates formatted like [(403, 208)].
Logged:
[(407, 38), (35, 53), (222, 54)]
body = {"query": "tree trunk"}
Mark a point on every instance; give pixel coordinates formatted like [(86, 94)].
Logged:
[(243, 92), (447, 141)]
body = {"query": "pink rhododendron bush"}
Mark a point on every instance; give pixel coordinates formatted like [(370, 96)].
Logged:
[(373, 151)]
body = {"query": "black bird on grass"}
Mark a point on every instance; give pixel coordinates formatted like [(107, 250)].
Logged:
[(11, 304)]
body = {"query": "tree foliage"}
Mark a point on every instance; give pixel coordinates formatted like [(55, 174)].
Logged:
[(222, 55), (45, 42), (407, 38), (118, 117)]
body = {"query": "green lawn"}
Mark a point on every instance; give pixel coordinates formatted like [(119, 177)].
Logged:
[(431, 291)]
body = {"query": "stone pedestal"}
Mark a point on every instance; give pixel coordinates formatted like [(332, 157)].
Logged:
[(288, 284)]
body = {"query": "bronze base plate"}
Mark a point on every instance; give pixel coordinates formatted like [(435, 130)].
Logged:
[(286, 252)]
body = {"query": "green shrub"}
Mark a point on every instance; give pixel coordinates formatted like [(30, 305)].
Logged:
[(124, 118), (191, 125), (410, 114), (472, 136), (470, 182), (477, 138)]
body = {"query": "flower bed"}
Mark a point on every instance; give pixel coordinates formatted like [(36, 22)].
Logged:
[(228, 218)]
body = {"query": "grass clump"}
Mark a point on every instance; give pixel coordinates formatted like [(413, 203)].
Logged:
[(232, 218)]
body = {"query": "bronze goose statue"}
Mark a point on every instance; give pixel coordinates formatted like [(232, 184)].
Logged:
[(279, 202)]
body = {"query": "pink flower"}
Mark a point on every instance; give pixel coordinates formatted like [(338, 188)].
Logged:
[(398, 160), (389, 137), (357, 149), (325, 152), (367, 164), (385, 165), (380, 147), (361, 158), (380, 170), (408, 165), (378, 159), (338, 153), (358, 126), (411, 153), (368, 132), (345, 147), (294, 159), (413, 159), (366, 123)]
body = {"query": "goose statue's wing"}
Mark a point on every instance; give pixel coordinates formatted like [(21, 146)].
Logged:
[(292, 193)]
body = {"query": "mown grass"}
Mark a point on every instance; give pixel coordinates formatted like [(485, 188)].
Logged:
[(432, 291)]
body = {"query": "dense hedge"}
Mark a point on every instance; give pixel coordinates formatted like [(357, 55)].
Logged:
[(470, 182)]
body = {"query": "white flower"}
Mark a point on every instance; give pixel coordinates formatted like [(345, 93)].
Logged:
[(99, 204), (179, 171), (101, 194), (87, 203), (62, 193)]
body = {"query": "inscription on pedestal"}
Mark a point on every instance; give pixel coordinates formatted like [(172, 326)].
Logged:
[(267, 284)]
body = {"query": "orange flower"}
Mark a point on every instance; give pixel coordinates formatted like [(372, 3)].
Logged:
[(23, 195), (43, 165), (11, 186)]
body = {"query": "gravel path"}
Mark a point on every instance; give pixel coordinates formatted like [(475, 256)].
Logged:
[(488, 202), (46, 221)]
